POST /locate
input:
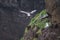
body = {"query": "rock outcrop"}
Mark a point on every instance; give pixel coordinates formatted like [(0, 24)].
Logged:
[(53, 9)]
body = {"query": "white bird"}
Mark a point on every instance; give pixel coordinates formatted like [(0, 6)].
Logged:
[(28, 13)]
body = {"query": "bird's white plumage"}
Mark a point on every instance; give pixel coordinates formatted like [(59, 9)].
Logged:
[(33, 11), (28, 13), (24, 12)]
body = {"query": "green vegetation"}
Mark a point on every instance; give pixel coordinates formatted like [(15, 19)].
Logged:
[(22, 38), (39, 20)]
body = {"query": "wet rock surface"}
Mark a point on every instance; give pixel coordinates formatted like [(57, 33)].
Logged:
[(52, 33), (12, 22)]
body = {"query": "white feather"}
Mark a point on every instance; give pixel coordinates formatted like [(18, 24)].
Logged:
[(33, 11), (28, 13), (24, 12)]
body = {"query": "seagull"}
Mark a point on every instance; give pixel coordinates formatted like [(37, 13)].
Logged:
[(28, 13)]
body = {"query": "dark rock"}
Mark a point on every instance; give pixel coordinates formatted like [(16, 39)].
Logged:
[(12, 22), (53, 32)]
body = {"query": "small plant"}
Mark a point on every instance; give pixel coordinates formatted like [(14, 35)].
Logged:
[(22, 38), (39, 20)]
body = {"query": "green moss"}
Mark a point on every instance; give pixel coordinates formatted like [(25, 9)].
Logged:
[(22, 38), (38, 21)]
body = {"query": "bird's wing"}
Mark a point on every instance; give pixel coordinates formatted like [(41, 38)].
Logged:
[(24, 12), (33, 11), (28, 14)]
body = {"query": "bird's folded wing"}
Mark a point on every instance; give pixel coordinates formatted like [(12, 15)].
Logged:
[(23, 12)]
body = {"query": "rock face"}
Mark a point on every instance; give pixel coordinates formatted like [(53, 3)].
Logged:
[(50, 34), (12, 22), (53, 9)]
